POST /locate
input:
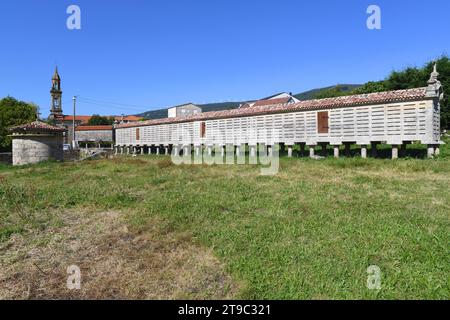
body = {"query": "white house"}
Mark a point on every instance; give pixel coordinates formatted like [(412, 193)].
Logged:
[(184, 110)]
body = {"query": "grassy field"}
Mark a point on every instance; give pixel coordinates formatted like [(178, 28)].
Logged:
[(145, 228)]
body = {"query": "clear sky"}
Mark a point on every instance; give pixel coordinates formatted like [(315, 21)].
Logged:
[(156, 53)]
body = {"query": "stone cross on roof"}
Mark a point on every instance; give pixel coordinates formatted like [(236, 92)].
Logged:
[(434, 75), (434, 89)]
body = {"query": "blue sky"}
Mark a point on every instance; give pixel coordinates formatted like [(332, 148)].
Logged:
[(156, 53)]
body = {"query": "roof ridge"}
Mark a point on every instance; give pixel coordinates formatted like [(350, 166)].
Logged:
[(36, 125), (324, 103)]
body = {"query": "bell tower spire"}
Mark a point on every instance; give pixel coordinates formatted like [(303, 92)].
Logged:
[(56, 93)]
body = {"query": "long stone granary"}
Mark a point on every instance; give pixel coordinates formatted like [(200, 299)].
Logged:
[(392, 117)]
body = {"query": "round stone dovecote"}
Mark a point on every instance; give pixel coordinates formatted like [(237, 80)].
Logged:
[(36, 142)]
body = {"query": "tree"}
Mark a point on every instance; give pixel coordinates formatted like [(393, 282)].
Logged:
[(97, 120), (418, 77), (12, 113), (411, 77), (336, 91), (371, 87)]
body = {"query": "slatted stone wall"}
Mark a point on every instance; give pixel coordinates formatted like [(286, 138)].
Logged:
[(391, 123)]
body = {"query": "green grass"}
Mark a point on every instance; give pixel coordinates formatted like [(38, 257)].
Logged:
[(310, 232)]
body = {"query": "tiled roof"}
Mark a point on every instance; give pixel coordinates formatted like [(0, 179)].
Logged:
[(328, 103), (271, 102), (35, 127), (93, 128), (127, 118), (85, 119), (82, 119)]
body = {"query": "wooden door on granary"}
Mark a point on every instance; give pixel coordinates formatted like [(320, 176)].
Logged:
[(203, 130), (322, 122)]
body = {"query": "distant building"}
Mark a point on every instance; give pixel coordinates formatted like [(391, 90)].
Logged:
[(127, 119), (66, 121), (184, 110), (282, 99), (94, 134)]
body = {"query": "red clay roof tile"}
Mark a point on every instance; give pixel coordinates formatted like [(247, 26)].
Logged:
[(271, 102), (36, 126), (328, 103), (93, 128)]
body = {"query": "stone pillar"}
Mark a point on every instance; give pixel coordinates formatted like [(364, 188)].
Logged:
[(336, 151), (374, 149), (157, 151), (394, 151), (430, 151), (209, 148), (185, 150), (142, 150), (311, 151), (229, 157), (270, 151), (238, 151), (289, 151), (166, 151), (263, 149), (116, 150), (437, 150), (364, 151), (176, 151), (252, 151)]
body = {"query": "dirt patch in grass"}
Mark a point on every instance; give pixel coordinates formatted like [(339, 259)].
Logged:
[(165, 163), (115, 263), (130, 160)]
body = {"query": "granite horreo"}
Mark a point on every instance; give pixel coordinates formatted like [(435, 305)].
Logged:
[(396, 118)]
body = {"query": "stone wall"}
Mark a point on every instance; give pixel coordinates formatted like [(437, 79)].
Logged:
[(94, 135), (29, 149)]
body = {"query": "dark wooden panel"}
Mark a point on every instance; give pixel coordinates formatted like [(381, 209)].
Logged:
[(203, 129), (322, 122), (138, 134)]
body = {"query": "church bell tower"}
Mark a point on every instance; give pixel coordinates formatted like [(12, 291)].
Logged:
[(56, 93)]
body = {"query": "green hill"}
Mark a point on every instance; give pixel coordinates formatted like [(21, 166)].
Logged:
[(312, 94)]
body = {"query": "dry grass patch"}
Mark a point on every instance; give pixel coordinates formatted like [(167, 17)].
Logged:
[(115, 263)]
